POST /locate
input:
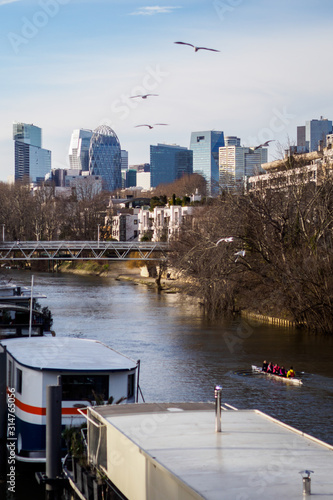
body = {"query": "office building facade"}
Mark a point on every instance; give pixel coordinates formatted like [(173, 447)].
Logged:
[(236, 163), (79, 149), (105, 157), (32, 162), (205, 146), (313, 134), (168, 163)]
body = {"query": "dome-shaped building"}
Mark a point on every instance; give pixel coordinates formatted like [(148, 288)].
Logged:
[(105, 157)]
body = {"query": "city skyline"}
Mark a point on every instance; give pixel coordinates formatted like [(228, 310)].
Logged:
[(69, 65)]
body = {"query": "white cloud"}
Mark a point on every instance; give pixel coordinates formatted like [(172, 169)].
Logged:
[(151, 11), (3, 2)]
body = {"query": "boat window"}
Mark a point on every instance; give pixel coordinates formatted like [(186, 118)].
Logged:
[(85, 387), (130, 386), (10, 367), (18, 381)]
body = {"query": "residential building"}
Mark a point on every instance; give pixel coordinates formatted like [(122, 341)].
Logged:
[(31, 160), (294, 169), (164, 222), (125, 226), (79, 149), (105, 157), (169, 162), (237, 162), (205, 146)]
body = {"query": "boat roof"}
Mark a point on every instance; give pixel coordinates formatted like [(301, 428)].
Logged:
[(66, 354), (255, 456)]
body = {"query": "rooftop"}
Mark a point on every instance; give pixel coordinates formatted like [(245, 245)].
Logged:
[(173, 448), (66, 353)]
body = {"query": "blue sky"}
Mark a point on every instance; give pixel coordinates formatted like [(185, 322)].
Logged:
[(69, 64)]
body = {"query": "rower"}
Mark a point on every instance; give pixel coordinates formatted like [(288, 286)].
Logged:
[(290, 373)]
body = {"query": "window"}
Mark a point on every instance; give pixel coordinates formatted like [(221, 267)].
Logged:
[(10, 365), (135, 221), (85, 387), (130, 386), (18, 381)]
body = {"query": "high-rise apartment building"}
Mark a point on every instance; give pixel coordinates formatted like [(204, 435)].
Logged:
[(238, 162), (169, 162), (32, 162), (79, 149), (105, 157), (314, 132), (205, 146)]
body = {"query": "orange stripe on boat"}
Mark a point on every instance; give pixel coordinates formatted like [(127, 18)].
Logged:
[(36, 410)]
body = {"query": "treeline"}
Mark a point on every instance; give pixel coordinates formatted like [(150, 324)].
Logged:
[(270, 252), (40, 215)]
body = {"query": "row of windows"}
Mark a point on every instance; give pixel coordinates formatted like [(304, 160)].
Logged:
[(78, 387)]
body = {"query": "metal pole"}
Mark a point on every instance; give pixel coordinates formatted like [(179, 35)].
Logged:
[(218, 392), (3, 232), (53, 440), (98, 235), (31, 301)]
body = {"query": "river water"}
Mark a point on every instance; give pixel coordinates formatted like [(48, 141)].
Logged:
[(183, 356)]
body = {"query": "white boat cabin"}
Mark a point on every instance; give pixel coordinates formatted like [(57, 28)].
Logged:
[(90, 372)]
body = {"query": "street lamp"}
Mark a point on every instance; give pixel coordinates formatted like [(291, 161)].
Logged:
[(3, 232), (98, 235)]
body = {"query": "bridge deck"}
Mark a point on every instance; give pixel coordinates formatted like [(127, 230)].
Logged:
[(82, 250)]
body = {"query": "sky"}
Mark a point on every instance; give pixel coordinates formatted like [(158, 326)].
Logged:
[(68, 64)]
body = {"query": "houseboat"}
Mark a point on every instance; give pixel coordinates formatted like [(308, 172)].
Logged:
[(90, 372)]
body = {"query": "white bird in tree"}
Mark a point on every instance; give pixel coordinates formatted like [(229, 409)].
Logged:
[(143, 96), (265, 144), (227, 240), (151, 126), (196, 48)]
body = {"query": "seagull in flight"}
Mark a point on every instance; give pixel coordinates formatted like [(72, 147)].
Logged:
[(150, 126), (227, 240), (144, 96), (197, 48), (265, 144)]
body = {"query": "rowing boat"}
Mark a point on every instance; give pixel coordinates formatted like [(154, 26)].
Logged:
[(294, 381)]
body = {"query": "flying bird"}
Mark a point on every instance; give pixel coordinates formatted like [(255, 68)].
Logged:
[(197, 48), (144, 96), (264, 144), (150, 126), (227, 240)]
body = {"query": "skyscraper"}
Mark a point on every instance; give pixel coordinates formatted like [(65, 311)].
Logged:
[(205, 147), (79, 149), (310, 134), (237, 162), (32, 162), (169, 162), (105, 157)]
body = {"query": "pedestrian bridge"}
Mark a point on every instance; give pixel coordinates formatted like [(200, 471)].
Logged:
[(82, 250)]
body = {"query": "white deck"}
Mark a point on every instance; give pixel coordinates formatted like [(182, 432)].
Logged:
[(253, 457), (66, 353)]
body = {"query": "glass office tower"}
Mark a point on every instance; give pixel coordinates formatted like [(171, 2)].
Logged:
[(168, 163), (79, 149), (32, 162), (205, 147), (105, 157)]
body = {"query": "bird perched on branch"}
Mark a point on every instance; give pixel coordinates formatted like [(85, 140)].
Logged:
[(150, 126), (143, 96), (264, 144), (196, 48)]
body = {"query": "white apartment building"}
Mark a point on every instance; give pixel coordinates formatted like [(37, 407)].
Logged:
[(125, 226), (163, 222)]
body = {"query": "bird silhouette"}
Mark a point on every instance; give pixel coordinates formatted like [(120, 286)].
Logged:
[(143, 96), (150, 126), (264, 144), (196, 48)]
